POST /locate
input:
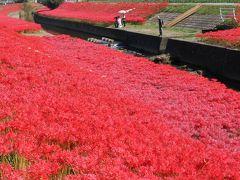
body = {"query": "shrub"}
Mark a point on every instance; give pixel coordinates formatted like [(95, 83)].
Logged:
[(26, 12), (227, 24), (52, 4)]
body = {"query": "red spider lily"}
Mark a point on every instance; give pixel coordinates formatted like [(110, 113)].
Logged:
[(229, 38), (15, 24), (105, 12), (226, 37), (76, 110)]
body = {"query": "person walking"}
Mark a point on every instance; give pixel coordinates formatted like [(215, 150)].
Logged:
[(119, 22), (160, 26), (116, 22), (124, 20)]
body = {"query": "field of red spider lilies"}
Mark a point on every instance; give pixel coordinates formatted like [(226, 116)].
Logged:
[(15, 24), (76, 110), (96, 12), (230, 38), (72, 109)]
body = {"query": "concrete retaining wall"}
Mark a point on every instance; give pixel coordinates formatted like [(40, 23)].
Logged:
[(143, 42), (218, 60)]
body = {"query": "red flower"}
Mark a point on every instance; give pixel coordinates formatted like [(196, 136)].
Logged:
[(105, 12)]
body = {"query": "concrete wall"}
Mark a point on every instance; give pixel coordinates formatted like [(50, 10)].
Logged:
[(219, 60), (143, 42)]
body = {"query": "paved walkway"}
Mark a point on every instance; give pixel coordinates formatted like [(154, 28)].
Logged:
[(195, 21)]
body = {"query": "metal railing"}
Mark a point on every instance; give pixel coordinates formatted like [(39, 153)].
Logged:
[(227, 14)]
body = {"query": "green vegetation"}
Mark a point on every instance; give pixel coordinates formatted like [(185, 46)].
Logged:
[(26, 12), (207, 9), (227, 24), (52, 4), (215, 10), (177, 8), (153, 29), (127, 0), (189, 31)]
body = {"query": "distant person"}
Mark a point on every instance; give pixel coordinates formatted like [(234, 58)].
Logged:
[(124, 20), (116, 22), (119, 22), (160, 25)]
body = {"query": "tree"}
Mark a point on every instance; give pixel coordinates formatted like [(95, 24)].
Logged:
[(52, 4)]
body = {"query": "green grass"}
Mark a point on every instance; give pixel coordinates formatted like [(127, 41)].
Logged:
[(127, 0), (177, 8), (152, 29), (184, 30), (215, 10), (219, 43)]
